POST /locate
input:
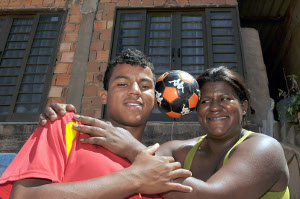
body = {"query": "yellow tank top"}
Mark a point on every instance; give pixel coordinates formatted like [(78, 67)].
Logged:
[(189, 159)]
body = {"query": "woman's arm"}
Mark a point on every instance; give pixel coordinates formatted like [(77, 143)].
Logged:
[(255, 167)]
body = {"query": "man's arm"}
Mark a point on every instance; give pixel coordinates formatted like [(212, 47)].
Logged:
[(148, 174)]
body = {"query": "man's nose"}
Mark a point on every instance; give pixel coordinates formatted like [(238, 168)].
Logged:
[(135, 89)]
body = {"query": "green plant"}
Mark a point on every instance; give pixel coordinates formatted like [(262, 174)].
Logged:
[(294, 94)]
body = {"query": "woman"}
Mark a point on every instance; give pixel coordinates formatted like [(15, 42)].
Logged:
[(228, 161)]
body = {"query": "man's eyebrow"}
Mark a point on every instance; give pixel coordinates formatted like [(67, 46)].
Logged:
[(121, 77)]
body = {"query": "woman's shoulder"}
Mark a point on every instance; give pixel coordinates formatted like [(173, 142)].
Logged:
[(171, 147), (265, 141)]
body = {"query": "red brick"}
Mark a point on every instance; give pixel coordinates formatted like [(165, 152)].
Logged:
[(75, 18), (55, 100), (53, 79), (73, 46), (4, 2), (98, 79), (67, 57), (89, 78), (96, 101), (90, 90), (105, 1), (105, 34), (48, 2), (148, 2), (103, 66), (231, 2), (108, 15), (135, 3), (93, 67), (14, 2), (62, 68), (99, 15), (106, 45), (97, 113), (75, 9), (72, 36), (102, 55), (89, 113), (65, 46), (70, 27), (123, 3), (110, 24), (96, 35), (60, 2), (158, 2), (92, 56), (26, 2), (62, 80), (183, 2), (99, 25), (37, 2), (97, 45), (108, 7)]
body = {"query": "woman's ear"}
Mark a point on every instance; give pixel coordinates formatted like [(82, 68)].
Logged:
[(103, 96), (245, 106)]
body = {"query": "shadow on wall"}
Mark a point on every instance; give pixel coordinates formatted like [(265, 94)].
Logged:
[(5, 160)]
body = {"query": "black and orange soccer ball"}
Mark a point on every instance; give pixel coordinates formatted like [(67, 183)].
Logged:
[(177, 93)]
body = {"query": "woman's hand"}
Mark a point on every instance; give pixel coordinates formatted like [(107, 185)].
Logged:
[(117, 140)]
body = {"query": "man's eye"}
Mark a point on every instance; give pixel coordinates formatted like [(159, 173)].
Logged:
[(121, 84), (145, 87)]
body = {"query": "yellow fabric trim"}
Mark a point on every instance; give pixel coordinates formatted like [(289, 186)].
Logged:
[(238, 142), (70, 135), (190, 156), (277, 195)]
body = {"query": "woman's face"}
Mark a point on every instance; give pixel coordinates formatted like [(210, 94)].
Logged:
[(220, 111)]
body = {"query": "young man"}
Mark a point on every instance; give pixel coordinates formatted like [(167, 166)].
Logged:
[(54, 164)]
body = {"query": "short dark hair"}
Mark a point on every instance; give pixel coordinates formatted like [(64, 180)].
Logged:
[(231, 77), (133, 57)]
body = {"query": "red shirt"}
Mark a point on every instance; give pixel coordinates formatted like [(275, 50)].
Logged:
[(54, 152)]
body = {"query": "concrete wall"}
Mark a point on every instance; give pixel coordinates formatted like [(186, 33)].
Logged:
[(289, 136)]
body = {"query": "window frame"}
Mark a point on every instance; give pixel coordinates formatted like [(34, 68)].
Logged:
[(207, 43), (9, 16)]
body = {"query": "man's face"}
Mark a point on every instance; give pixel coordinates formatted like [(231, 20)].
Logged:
[(130, 95)]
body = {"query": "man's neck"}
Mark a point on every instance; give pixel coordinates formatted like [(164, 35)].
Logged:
[(136, 131)]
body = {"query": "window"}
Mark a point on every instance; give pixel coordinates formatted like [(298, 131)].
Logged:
[(28, 45), (192, 40)]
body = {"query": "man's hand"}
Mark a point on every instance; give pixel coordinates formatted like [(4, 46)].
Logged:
[(155, 174), (52, 110), (117, 140)]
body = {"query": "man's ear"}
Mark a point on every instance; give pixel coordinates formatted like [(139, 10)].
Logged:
[(103, 96), (245, 106)]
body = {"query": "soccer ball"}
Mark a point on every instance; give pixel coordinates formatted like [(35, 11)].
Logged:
[(177, 93)]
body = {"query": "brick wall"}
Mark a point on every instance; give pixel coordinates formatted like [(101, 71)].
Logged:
[(101, 41), (65, 56)]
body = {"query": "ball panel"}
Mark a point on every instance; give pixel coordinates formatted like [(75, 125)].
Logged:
[(173, 114), (170, 94), (162, 77), (193, 101), (186, 77)]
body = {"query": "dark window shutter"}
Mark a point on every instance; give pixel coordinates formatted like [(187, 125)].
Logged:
[(26, 64)]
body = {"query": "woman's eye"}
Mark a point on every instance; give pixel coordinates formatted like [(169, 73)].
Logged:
[(204, 101)]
